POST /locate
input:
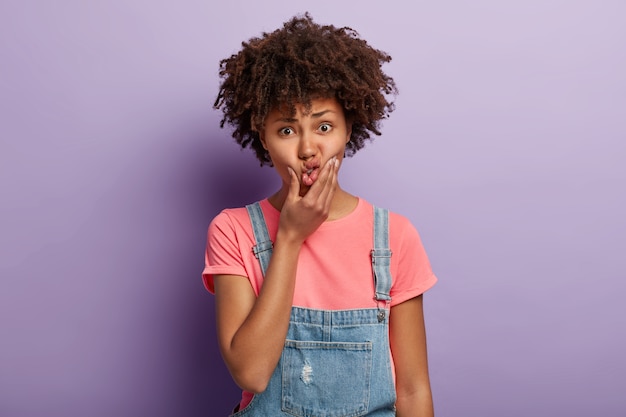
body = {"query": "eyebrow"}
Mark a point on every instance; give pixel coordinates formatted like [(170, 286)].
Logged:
[(321, 113), (313, 115)]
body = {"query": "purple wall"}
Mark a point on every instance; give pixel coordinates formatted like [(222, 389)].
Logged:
[(507, 151)]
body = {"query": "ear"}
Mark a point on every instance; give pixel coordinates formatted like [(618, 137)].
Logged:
[(262, 139), (349, 134)]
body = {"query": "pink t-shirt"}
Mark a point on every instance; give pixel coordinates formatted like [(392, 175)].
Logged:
[(334, 266)]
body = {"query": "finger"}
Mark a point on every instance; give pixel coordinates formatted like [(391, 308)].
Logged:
[(294, 184), (326, 181), (316, 189), (332, 183)]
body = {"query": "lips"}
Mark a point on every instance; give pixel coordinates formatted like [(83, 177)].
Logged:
[(310, 166), (311, 170)]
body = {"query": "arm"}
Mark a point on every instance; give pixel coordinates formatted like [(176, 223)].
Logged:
[(251, 330), (408, 347)]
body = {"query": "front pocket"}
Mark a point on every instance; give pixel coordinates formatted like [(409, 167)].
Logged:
[(326, 379)]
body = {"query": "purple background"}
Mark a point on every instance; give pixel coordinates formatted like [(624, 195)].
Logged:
[(507, 151)]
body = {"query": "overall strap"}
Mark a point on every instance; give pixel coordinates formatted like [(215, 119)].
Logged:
[(381, 258), (263, 245)]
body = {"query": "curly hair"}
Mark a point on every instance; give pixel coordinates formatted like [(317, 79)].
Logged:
[(295, 64)]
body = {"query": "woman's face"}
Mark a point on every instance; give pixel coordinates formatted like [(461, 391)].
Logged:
[(305, 141)]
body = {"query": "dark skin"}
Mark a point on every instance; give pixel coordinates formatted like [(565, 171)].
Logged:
[(306, 150)]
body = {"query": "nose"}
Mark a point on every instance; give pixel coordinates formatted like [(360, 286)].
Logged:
[(306, 148)]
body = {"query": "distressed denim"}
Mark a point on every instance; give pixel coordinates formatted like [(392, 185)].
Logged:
[(335, 363)]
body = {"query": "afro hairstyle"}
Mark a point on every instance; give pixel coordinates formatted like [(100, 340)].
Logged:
[(295, 64)]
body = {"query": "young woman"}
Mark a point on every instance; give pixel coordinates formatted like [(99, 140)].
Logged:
[(318, 293)]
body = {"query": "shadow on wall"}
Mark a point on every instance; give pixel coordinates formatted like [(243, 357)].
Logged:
[(218, 177)]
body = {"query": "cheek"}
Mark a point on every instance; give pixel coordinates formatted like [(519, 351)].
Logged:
[(280, 159)]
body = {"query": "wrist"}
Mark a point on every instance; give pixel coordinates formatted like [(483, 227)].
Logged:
[(289, 240)]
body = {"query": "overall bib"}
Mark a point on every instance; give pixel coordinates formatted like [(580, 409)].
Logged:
[(335, 363)]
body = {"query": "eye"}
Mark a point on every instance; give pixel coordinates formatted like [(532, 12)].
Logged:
[(325, 127), (285, 131)]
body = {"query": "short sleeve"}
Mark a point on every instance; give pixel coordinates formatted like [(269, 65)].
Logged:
[(411, 270), (223, 255)]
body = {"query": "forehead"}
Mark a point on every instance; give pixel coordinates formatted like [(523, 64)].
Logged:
[(316, 106)]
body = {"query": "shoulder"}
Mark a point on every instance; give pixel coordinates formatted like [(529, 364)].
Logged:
[(235, 221), (398, 223), (229, 221), (229, 216), (402, 232)]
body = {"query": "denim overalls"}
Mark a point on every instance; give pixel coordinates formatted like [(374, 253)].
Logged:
[(335, 363)]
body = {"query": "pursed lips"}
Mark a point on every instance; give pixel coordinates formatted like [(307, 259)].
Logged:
[(309, 174), (311, 166)]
